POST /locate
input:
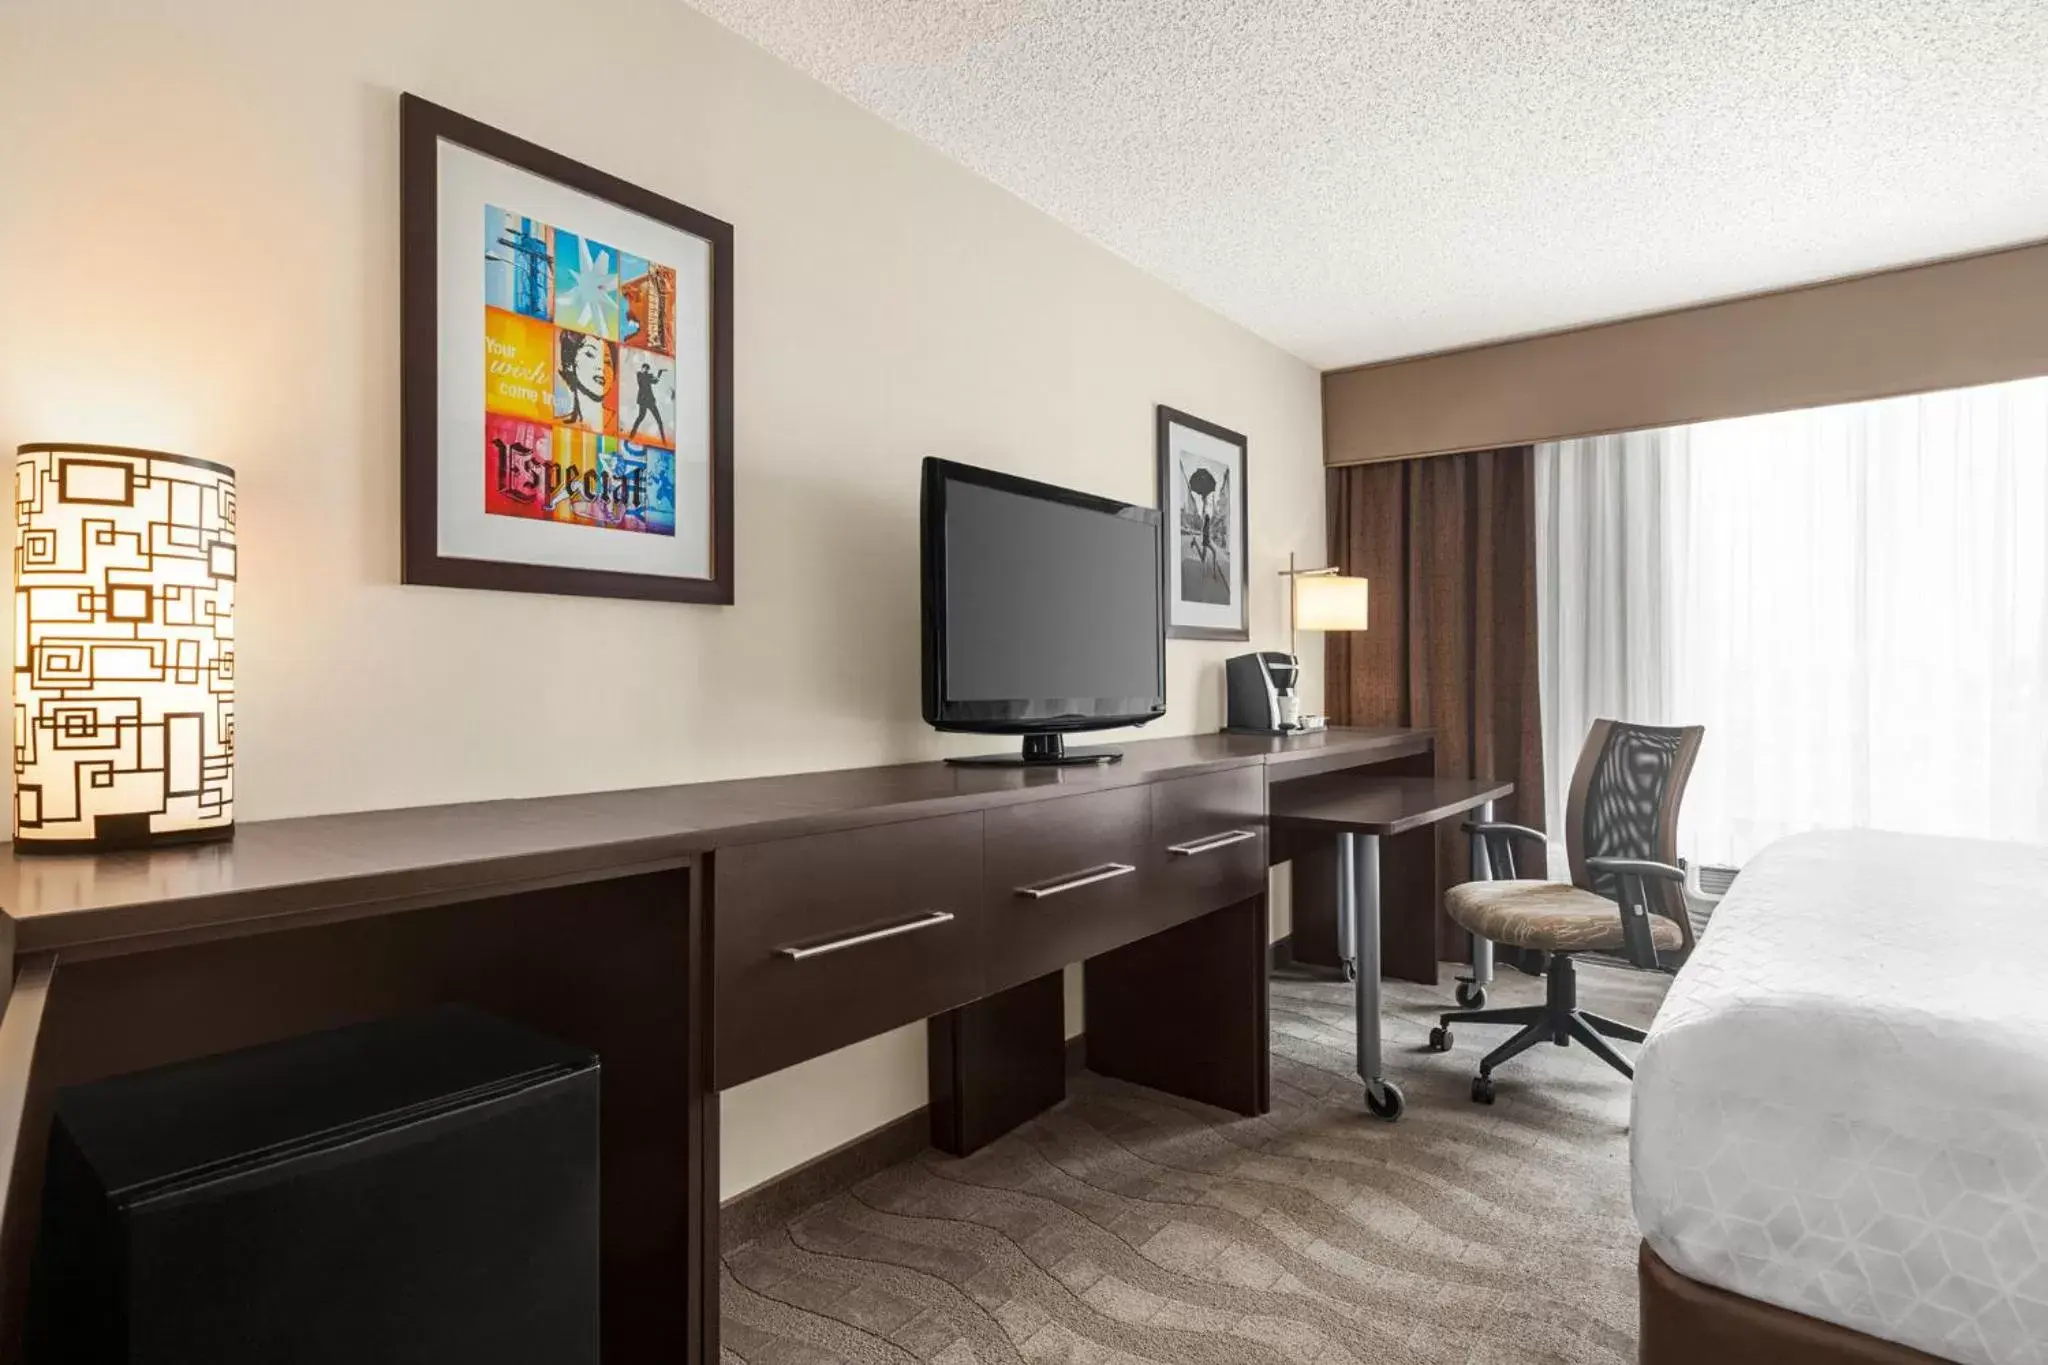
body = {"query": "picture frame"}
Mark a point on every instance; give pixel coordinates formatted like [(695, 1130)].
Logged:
[(1205, 502), (566, 373)]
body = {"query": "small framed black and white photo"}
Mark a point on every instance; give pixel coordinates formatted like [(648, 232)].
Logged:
[(1202, 497)]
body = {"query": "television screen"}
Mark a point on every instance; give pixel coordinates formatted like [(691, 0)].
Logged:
[(1043, 606)]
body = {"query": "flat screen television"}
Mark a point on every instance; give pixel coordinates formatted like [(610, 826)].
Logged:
[(1044, 612)]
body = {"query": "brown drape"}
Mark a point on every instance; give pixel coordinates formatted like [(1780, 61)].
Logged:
[(1449, 543)]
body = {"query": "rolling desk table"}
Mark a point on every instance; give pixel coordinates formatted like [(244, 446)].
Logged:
[(698, 936), (1360, 813)]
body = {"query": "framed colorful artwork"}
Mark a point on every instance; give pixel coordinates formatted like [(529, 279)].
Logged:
[(1202, 496), (566, 373)]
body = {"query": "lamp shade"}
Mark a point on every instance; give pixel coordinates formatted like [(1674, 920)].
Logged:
[(1330, 602), (124, 662)]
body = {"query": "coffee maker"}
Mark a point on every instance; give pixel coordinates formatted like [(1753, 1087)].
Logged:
[(1261, 696)]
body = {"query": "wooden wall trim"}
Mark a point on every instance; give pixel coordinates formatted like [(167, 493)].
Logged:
[(775, 1201), (768, 1205), (1951, 324)]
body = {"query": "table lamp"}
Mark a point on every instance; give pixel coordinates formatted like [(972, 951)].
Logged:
[(1324, 599), (124, 665), (1262, 690)]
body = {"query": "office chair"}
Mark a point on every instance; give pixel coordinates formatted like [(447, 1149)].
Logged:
[(1627, 890)]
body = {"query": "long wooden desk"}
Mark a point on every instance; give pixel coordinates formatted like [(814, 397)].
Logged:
[(696, 937)]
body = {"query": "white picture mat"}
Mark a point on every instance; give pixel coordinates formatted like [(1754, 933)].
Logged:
[(1229, 614), (467, 181)]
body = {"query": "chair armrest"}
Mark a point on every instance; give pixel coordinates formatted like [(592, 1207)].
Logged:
[(1493, 846), (1495, 827), (1637, 867), (1637, 940)]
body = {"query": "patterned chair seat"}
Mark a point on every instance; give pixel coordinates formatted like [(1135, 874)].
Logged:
[(1552, 916)]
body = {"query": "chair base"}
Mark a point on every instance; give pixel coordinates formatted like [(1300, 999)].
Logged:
[(1557, 1020)]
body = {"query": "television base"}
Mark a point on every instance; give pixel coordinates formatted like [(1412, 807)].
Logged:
[(1041, 751)]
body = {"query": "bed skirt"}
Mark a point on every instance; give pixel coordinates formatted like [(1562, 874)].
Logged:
[(1684, 1322)]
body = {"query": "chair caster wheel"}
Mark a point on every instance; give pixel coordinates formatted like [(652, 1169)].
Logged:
[(1383, 1098), (1350, 970), (1439, 1039), (1471, 995), (1482, 1090)]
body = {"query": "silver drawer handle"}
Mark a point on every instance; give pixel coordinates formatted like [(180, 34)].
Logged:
[(873, 935), (1212, 843), (1076, 882)]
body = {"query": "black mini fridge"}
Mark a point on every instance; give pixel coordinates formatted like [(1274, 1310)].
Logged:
[(414, 1190)]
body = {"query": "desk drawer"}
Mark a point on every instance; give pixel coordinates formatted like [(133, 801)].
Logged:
[(828, 939), (1208, 844), (1065, 880)]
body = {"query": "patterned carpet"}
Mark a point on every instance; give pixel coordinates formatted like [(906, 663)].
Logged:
[(1129, 1226)]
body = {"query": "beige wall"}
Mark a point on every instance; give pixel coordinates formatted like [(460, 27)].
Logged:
[(1973, 320), (199, 251)]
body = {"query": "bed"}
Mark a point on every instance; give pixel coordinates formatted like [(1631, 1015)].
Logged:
[(1840, 1138)]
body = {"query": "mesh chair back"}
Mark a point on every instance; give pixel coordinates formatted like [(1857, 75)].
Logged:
[(1624, 804)]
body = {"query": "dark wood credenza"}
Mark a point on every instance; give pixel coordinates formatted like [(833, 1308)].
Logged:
[(699, 936)]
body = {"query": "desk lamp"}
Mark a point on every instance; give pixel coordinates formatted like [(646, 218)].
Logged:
[(124, 665), (1262, 690)]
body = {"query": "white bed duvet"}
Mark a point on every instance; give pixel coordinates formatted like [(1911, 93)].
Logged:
[(1842, 1107)]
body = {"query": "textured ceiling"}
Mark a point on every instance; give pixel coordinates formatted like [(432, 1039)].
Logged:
[(1357, 179)]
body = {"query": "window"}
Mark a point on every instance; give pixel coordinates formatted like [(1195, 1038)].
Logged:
[(1853, 600)]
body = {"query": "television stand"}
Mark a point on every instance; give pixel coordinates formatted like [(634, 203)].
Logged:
[(1042, 750)]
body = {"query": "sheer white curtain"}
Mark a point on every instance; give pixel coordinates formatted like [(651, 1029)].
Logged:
[(1853, 600)]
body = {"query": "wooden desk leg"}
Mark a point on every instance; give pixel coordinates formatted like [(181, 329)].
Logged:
[(1408, 894), (996, 1063), (608, 965), (1410, 900), (1313, 942), (1185, 1011)]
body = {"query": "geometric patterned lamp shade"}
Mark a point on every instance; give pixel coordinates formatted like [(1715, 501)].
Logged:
[(124, 649)]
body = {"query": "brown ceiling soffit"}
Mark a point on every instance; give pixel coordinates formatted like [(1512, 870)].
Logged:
[(1952, 323)]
